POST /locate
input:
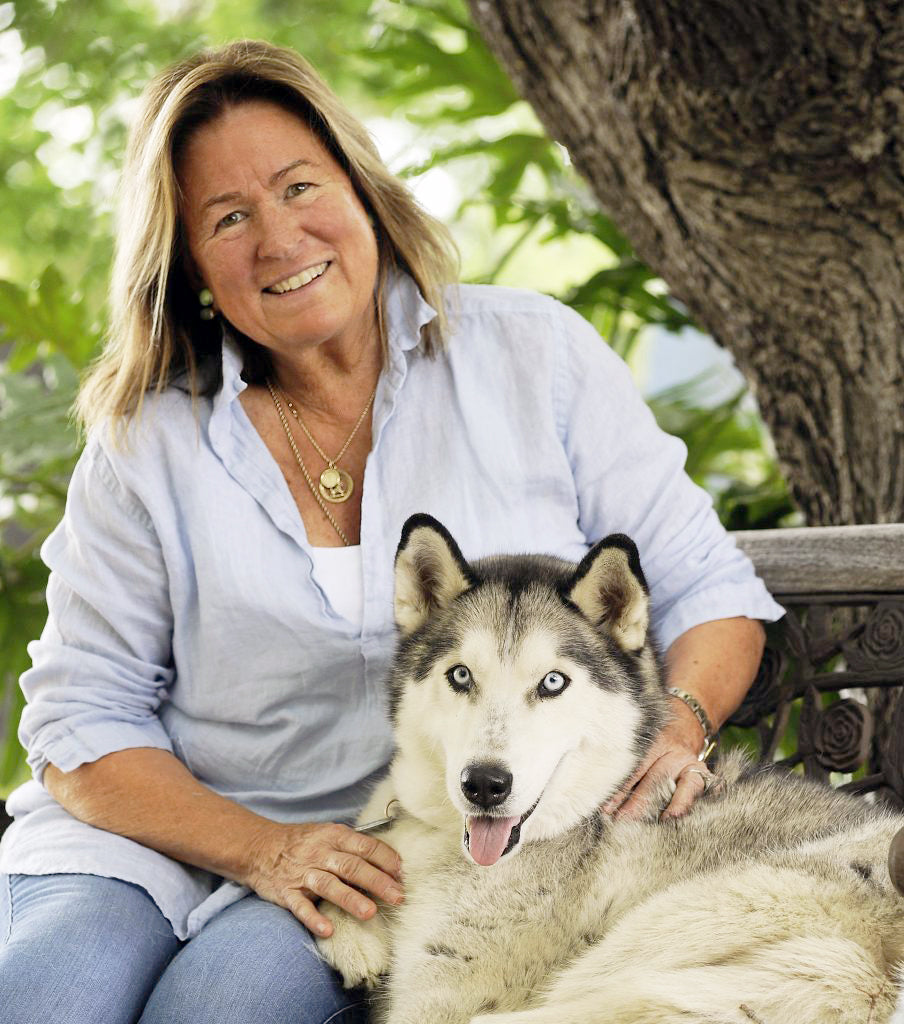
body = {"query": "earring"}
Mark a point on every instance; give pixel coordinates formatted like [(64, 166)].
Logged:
[(205, 297)]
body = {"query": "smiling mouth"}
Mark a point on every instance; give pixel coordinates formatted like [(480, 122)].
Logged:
[(292, 284), (488, 839)]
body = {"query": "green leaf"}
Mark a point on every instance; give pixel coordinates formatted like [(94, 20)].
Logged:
[(49, 318)]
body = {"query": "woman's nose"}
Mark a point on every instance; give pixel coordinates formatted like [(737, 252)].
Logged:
[(279, 234)]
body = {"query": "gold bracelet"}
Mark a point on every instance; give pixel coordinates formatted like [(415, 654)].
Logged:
[(710, 737)]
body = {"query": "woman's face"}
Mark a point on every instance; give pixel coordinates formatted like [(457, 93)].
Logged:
[(277, 233)]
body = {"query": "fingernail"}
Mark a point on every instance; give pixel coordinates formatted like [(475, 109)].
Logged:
[(394, 895), (323, 928)]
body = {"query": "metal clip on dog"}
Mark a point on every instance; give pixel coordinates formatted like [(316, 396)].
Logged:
[(380, 823)]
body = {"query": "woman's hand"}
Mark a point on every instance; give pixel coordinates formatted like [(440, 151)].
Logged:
[(716, 661), (296, 865), (673, 757), (148, 795)]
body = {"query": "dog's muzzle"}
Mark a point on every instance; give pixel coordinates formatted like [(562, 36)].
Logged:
[(488, 838)]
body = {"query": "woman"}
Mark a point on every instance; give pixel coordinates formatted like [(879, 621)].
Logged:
[(282, 388)]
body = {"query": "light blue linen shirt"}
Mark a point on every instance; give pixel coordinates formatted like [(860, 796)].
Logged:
[(184, 614)]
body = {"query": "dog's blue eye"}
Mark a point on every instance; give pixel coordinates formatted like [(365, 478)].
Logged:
[(552, 684), (459, 678)]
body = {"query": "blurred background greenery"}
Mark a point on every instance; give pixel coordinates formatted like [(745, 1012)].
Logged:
[(444, 116)]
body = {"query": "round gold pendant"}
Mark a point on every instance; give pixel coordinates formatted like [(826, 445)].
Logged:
[(336, 485)]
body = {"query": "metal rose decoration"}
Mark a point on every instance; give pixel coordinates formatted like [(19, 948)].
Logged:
[(880, 644), (842, 736)]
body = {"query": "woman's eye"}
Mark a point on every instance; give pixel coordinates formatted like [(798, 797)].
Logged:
[(229, 219), (297, 188), (552, 684), (460, 678)]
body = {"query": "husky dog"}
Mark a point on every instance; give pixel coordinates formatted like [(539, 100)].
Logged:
[(524, 692)]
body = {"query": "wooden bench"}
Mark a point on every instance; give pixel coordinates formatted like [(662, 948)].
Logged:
[(843, 588)]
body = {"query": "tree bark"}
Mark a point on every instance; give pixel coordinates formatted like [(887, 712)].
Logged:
[(752, 152)]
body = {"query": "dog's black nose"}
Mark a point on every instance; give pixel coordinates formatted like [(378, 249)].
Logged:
[(487, 785)]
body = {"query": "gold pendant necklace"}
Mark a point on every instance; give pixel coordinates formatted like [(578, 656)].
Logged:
[(304, 469), (336, 485)]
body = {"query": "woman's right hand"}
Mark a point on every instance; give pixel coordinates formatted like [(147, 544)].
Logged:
[(296, 865), (148, 795)]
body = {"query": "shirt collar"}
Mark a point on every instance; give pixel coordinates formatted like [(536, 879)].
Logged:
[(233, 360), (406, 311)]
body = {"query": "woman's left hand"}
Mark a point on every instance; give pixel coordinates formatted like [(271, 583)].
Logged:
[(673, 756), (716, 661)]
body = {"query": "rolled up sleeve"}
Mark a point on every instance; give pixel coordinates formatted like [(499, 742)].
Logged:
[(104, 659), (630, 479)]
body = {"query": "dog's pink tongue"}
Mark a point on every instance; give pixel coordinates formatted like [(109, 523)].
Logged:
[(488, 838)]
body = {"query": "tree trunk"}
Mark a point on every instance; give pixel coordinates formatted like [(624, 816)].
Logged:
[(752, 152)]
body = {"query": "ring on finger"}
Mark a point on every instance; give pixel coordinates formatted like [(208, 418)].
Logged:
[(708, 778)]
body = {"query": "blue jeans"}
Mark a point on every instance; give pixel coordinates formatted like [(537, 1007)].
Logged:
[(79, 949)]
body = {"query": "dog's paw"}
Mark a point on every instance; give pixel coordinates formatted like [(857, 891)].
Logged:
[(358, 950)]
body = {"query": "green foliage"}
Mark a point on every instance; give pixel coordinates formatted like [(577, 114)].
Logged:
[(521, 216), (46, 336), (434, 69), (729, 453)]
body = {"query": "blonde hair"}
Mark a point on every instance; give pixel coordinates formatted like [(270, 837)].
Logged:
[(155, 331)]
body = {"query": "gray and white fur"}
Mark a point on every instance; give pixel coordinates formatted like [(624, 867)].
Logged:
[(524, 692)]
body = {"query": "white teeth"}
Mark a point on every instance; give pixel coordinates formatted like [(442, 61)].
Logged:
[(299, 280)]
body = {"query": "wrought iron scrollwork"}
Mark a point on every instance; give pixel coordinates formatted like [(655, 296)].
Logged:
[(878, 645), (841, 736), (828, 695)]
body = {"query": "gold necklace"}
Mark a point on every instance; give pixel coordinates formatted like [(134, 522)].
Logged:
[(300, 461), (336, 485)]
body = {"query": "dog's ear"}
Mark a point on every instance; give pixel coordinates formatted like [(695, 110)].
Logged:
[(430, 572), (609, 588)]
